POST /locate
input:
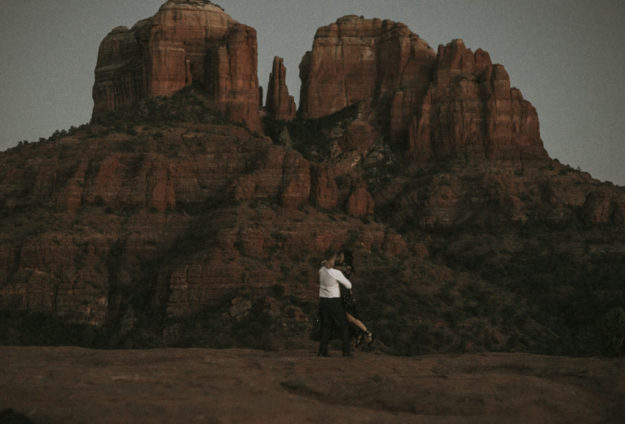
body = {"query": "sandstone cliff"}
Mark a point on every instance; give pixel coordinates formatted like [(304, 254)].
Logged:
[(471, 111), (185, 42), (449, 104), (358, 59)]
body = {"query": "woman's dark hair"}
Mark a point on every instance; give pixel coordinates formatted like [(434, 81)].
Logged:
[(349, 258)]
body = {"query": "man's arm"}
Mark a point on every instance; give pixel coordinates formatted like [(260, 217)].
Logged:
[(338, 276)]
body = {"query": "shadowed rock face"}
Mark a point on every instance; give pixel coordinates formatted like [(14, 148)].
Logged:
[(74, 274), (185, 42)]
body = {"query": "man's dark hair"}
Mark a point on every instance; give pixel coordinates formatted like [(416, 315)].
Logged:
[(329, 255)]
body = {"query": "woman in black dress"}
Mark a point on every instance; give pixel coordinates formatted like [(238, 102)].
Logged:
[(345, 264)]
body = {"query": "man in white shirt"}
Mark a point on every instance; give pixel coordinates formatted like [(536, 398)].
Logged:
[(331, 312)]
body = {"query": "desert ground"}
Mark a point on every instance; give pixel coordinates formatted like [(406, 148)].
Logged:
[(76, 385)]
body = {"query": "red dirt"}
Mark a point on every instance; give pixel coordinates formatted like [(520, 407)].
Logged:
[(75, 385)]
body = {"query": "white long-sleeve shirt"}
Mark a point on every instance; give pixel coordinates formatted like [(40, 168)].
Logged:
[(329, 279)]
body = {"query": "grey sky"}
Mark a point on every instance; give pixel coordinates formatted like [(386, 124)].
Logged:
[(566, 57)]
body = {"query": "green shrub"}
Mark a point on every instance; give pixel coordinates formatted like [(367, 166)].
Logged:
[(23, 328), (612, 331)]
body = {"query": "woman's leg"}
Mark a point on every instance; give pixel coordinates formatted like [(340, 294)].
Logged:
[(358, 323)]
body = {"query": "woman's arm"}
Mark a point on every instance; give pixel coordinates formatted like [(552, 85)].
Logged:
[(345, 269)]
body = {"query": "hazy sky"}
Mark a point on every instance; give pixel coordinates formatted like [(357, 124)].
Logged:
[(566, 57)]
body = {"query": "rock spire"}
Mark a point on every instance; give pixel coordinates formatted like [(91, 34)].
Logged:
[(280, 105)]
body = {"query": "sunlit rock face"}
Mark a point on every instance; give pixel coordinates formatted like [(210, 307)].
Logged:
[(357, 59), (450, 103), (185, 42), (470, 111)]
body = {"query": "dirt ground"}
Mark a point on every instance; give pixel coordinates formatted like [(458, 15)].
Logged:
[(75, 385)]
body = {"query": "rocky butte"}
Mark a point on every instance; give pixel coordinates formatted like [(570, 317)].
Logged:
[(185, 214), (450, 103), (185, 42)]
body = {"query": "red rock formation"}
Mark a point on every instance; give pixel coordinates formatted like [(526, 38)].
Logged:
[(185, 41), (117, 227), (359, 135), (358, 59), (455, 103), (394, 245), (325, 192), (296, 181), (73, 271), (283, 174), (470, 111), (604, 207), (360, 202), (280, 105)]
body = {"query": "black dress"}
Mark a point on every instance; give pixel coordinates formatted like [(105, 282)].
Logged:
[(349, 303)]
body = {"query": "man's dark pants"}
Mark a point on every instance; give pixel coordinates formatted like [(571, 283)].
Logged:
[(332, 315)]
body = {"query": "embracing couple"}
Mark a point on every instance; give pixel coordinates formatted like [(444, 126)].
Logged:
[(337, 307)]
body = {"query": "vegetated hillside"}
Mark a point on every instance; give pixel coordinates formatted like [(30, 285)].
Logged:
[(495, 255), (163, 224)]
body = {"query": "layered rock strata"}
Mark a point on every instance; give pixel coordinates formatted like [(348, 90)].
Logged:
[(471, 111), (453, 103), (185, 42), (356, 59), (166, 209)]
